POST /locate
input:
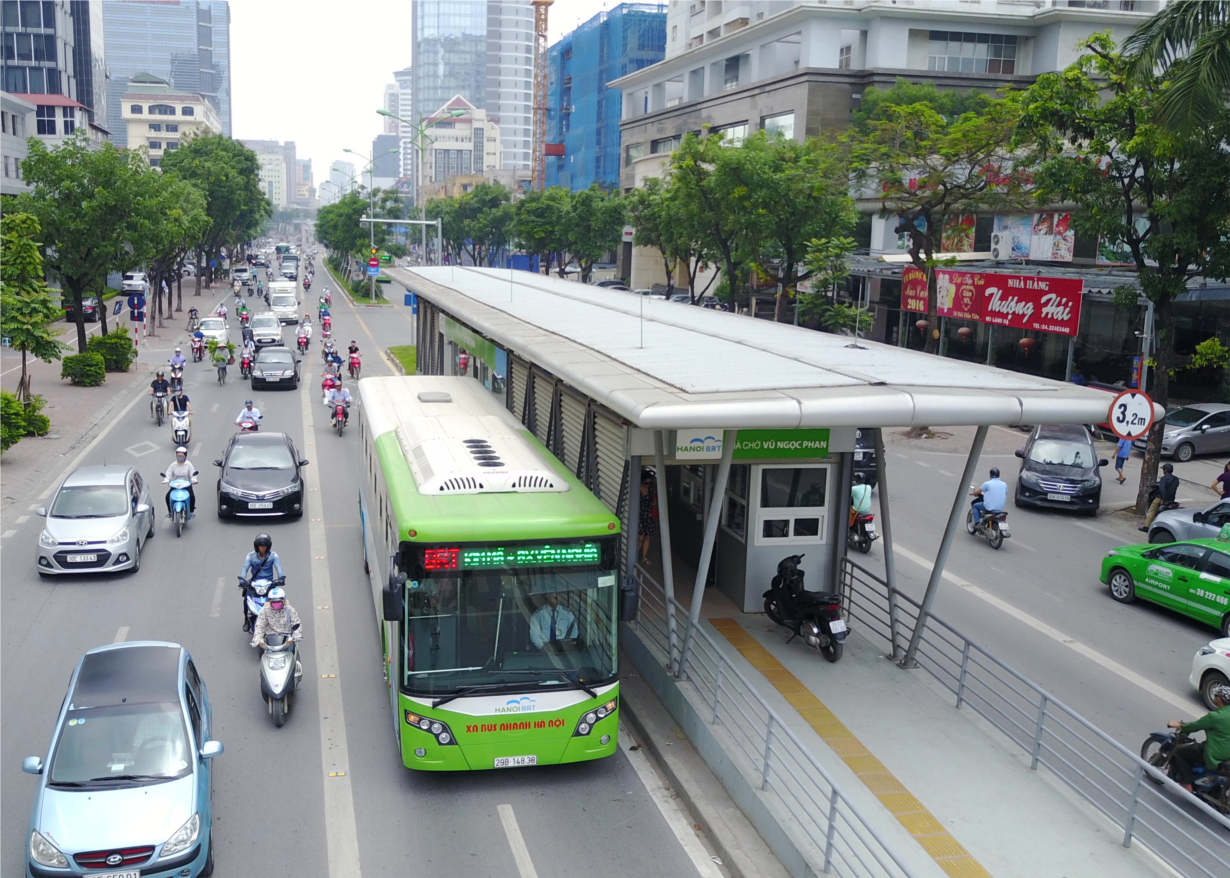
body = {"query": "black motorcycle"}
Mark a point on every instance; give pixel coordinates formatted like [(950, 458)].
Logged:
[(815, 616), (991, 526), (862, 532), (1211, 787)]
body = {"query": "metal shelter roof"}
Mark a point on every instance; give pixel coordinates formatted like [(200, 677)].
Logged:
[(664, 365)]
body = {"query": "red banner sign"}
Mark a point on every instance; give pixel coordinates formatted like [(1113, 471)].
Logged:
[(913, 289), (1042, 304)]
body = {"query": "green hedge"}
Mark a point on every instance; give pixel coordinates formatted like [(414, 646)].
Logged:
[(116, 349), (86, 369), (18, 421)]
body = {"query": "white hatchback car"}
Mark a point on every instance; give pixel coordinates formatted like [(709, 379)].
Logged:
[(1211, 667), (215, 327)]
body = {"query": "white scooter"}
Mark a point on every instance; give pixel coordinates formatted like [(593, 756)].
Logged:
[(181, 428), (281, 674)]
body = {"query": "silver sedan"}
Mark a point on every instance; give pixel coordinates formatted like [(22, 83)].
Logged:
[(1190, 524)]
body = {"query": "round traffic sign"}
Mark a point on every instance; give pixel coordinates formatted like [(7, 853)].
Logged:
[(1131, 414), (374, 262)]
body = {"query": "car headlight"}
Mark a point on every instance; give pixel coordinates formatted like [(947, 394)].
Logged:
[(1091, 483), (45, 853), (184, 837), (1029, 478), (46, 540), (1112, 553), (121, 537)]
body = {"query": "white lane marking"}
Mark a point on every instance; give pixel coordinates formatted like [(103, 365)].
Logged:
[(121, 634), (1055, 634), (341, 833), (521, 854), (21, 519), (216, 609), (669, 807), (1028, 548), (33, 507), (196, 449), (943, 471), (51, 487), (215, 407), (142, 448), (7, 534), (921, 463)]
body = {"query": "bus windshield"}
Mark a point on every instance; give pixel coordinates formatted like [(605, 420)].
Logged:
[(515, 617)]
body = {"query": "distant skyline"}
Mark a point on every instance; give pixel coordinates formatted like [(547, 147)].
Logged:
[(303, 71)]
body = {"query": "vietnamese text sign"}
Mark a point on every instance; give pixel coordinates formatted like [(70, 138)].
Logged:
[(1019, 301), (781, 443), (913, 289)]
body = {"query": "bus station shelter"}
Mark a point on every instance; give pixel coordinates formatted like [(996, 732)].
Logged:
[(749, 425)]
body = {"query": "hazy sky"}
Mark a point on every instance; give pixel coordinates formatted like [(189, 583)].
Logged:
[(314, 71)]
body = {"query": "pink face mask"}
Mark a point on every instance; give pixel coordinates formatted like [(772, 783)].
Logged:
[(277, 605)]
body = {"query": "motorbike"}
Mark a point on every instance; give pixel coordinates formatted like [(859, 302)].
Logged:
[(326, 324), (198, 350), (862, 532), (991, 526), (244, 318), (193, 323), (326, 351), (249, 427), (254, 591), (339, 417), (1154, 490), (1211, 787), (815, 616), (160, 407), (281, 674), (245, 366), (302, 343), (181, 428), (307, 283), (179, 502), (177, 378), (355, 366)]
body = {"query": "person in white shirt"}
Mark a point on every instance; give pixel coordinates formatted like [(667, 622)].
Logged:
[(552, 622), (337, 395), (248, 414)]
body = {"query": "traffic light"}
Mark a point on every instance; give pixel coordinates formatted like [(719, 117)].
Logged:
[(373, 251)]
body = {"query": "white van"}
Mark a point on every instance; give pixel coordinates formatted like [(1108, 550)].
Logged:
[(284, 300)]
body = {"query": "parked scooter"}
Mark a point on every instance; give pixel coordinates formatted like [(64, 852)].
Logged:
[(991, 526), (1211, 787), (281, 674), (863, 532), (179, 502), (181, 428), (814, 616), (254, 592)]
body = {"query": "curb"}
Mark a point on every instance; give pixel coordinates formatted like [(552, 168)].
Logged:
[(344, 290), (396, 362)]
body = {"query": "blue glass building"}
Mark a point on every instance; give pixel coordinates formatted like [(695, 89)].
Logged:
[(187, 43), (582, 112)]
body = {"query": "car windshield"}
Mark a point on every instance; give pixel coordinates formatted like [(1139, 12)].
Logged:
[(214, 324), (1059, 452), (263, 456), (491, 628), (1185, 417), (266, 321), (90, 501), (122, 743), (283, 301), (267, 357)]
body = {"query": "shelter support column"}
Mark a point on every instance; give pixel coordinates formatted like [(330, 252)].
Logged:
[(706, 549), (886, 524), (664, 542), (840, 527), (941, 558), (634, 522)]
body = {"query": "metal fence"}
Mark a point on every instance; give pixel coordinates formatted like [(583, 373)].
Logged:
[(1186, 834), (837, 836)]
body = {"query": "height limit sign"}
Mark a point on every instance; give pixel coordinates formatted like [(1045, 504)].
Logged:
[(1131, 414)]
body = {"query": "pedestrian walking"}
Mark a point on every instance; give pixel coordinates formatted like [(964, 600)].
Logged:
[(1121, 456), (1222, 483), (647, 517)]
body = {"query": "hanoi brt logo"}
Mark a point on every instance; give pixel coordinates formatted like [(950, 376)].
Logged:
[(698, 444), (524, 704)]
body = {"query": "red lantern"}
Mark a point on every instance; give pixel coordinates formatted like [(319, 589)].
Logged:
[(965, 332), (1026, 344), (921, 324)]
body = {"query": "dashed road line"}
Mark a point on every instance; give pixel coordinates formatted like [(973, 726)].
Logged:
[(516, 841), (216, 609), (121, 635), (21, 519), (7, 534)]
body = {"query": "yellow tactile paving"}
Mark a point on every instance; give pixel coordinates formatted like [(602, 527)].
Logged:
[(930, 834)]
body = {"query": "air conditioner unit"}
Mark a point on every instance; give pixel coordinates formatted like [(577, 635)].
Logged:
[(1001, 246)]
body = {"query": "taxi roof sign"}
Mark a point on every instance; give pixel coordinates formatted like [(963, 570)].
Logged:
[(1224, 533)]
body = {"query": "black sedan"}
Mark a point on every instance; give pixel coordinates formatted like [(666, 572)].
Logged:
[(275, 366), (261, 476), (89, 308), (1059, 469)]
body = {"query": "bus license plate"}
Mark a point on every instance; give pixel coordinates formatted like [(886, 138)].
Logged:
[(1062, 498), (260, 505), (81, 559), (515, 761)]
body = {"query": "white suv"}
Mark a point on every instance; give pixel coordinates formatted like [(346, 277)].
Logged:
[(135, 282), (243, 274)]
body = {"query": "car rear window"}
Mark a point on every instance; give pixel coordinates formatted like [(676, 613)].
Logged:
[(275, 357), (103, 744), (90, 501)]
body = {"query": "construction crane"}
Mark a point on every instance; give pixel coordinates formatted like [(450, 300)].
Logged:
[(540, 93)]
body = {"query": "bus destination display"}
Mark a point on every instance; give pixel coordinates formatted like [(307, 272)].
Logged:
[(493, 557)]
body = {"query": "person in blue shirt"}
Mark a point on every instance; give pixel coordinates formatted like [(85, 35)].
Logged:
[(992, 495), (1121, 456), (261, 563)]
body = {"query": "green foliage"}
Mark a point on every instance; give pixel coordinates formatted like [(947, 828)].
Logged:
[(826, 262), (27, 311), (540, 224), (37, 423), (12, 420), (116, 349), (338, 226), (952, 105), (477, 223), (219, 351), (594, 226), (836, 317), (86, 369), (407, 355)]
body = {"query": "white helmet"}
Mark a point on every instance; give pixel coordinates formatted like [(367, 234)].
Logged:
[(181, 450)]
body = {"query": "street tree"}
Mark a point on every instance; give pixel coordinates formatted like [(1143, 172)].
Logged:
[(173, 220), (649, 215), (925, 167), (338, 225), (452, 230), (1093, 141), (27, 310), (86, 200), (539, 221), (486, 221), (594, 226), (827, 265), (1189, 40)]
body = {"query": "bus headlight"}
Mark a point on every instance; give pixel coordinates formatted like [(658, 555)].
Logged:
[(586, 724), (440, 731)]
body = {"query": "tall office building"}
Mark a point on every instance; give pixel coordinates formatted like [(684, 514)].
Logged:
[(304, 193), (482, 50), (405, 109), (89, 57), (186, 43), (39, 56)]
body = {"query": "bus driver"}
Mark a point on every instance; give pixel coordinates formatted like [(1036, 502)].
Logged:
[(551, 623)]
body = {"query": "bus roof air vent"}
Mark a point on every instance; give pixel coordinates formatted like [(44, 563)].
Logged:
[(474, 455), (435, 396)]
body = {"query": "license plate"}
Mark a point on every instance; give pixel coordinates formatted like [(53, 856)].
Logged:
[(871, 531), (260, 505), (81, 559), (133, 874), (1062, 498), (272, 378), (858, 455), (515, 761), (837, 626)]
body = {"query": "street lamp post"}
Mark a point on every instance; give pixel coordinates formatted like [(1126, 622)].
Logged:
[(370, 167), (420, 141)]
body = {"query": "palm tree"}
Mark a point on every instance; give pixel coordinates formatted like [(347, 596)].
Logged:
[(1190, 41)]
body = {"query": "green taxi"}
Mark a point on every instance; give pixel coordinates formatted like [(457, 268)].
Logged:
[(1192, 577)]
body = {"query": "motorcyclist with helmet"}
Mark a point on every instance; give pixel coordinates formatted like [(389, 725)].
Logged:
[(992, 495), (1214, 749), (276, 617), (261, 563), (158, 387), (182, 469), (1167, 490)]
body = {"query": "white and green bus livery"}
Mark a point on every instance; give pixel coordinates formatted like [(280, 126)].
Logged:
[(495, 577)]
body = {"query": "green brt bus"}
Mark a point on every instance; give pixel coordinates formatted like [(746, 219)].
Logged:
[(495, 577)]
